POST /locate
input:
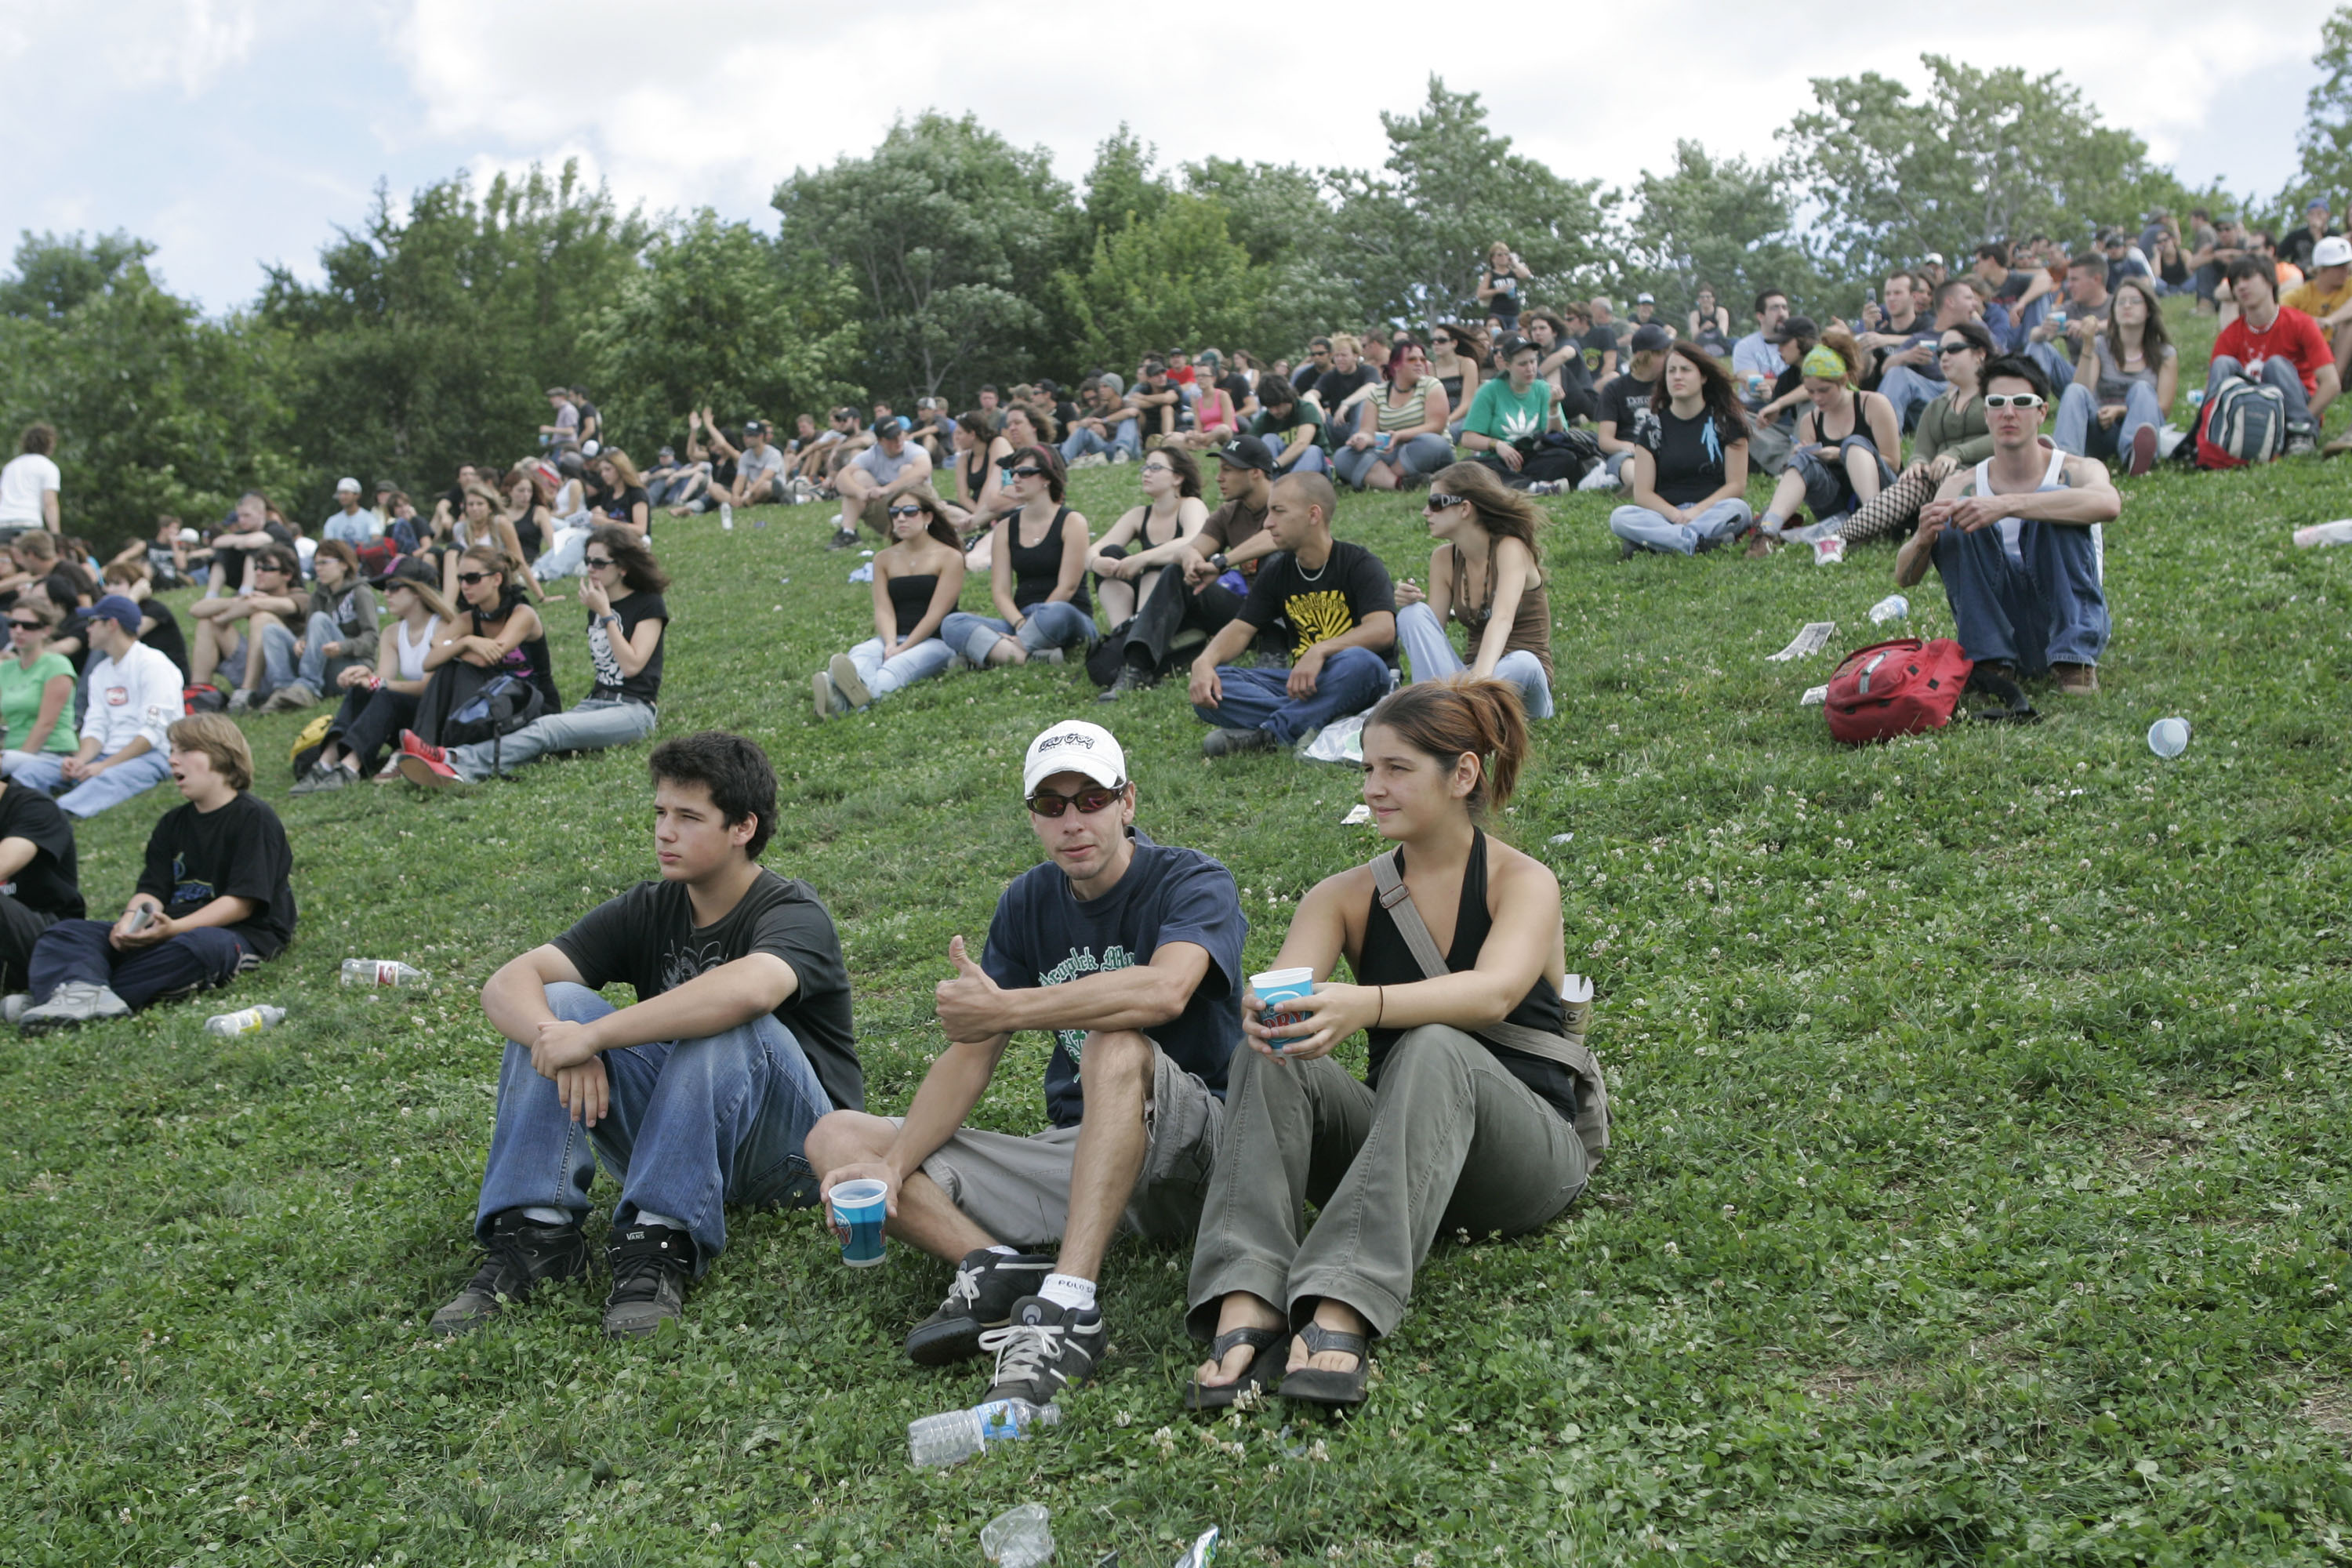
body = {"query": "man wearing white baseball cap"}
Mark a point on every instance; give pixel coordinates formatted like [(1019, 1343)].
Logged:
[(1130, 953), (2326, 296), (351, 523)]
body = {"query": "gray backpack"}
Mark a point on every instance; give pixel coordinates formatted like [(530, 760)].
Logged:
[(1576, 1009), (2244, 422)]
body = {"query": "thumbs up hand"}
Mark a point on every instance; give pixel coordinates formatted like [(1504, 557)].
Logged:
[(970, 1006)]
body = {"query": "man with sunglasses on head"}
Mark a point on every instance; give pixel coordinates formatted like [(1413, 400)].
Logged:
[(1129, 952), (878, 475), (2017, 541)]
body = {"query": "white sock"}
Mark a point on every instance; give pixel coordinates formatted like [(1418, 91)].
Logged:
[(1006, 1251), (1068, 1291), (647, 1216), (539, 1213)]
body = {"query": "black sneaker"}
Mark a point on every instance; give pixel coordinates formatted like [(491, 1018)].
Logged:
[(843, 539), (523, 1254), (652, 1267), (1238, 743), (1044, 1350), (987, 1287), (1131, 677)]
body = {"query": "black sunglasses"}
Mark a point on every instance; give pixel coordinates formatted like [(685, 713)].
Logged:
[(1022, 473), (470, 578), (1044, 803), (906, 512), (1954, 348), (591, 560), (28, 626), (1439, 500)]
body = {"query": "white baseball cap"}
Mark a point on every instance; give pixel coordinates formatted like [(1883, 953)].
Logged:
[(1073, 746), (2333, 251), (347, 484)]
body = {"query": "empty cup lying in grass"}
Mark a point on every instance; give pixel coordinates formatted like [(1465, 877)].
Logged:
[(857, 1209), (2167, 738), (1277, 987)]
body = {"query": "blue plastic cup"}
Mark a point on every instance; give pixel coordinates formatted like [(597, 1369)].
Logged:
[(857, 1209), (1277, 987)]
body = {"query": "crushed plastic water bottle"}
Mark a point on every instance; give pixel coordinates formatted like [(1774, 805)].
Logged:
[(936, 1442), (1204, 1549), (250, 1021), (386, 972), (2337, 532), (1894, 607), (1019, 1537)]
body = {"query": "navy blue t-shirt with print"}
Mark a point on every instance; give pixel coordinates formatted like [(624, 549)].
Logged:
[(1042, 934)]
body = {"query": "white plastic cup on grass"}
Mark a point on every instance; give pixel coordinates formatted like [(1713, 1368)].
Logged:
[(1277, 987), (857, 1209), (2167, 738)]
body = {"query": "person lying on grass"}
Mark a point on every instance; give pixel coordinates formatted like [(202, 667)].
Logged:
[(1130, 952), (1451, 1130), (697, 1096), (214, 898)]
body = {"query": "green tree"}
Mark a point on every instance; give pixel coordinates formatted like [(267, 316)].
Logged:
[(55, 273), (2326, 138), (435, 334), (953, 237), (718, 315), (1176, 277), (1410, 240), (1725, 223), (1284, 217), (1982, 154)]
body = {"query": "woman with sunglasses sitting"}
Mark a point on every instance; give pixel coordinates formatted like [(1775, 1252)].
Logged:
[(1037, 575), (1467, 1118), (1485, 573), (495, 634), (1128, 561), (380, 702), (917, 577), (1952, 435), (621, 588), (37, 686)]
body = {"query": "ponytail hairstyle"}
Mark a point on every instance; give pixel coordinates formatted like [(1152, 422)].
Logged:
[(498, 560), (1838, 338), (640, 573), (1502, 511), (1448, 717)]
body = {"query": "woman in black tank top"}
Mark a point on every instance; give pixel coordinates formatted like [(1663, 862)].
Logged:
[(1453, 1128), (917, 577), (1145, 542), (1037, 575)]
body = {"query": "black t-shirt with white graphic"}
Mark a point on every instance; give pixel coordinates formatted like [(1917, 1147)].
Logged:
[(646, 939), (50, 882), (1689, 454), (1312, 605), (1626, 402), (238, 851), (645, 685)]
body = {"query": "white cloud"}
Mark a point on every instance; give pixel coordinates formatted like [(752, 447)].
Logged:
[(188, 43)]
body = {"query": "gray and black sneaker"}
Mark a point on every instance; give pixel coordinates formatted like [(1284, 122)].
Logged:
[(843, 539), (72, 1003), (1236, 743), (652, 1267), (523, 1254), (2300, 442), (987, 1286), (1045, 1348), (1132, 678)]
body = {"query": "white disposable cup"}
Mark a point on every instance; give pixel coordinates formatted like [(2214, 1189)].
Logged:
[(1278, 986), (2167, 738)]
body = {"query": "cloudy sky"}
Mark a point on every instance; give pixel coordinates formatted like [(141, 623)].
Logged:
[(235, 133)]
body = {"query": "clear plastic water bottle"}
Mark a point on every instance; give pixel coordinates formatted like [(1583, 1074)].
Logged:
[(1894, 607), (250, 1021), (2196, 398), (387, 972), (726, 517), (937, 1441), (2319, 534), (1018, 1537)]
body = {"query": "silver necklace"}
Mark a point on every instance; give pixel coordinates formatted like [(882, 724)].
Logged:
[(1317, 577)]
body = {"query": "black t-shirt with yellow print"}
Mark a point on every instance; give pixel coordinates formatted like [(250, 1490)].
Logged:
[(1312, 605)]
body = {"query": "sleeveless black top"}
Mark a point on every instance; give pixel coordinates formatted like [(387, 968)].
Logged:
[(530, 535), (1037, 568), (1387, 961), (975, 473), (526, 661), (909, 597)]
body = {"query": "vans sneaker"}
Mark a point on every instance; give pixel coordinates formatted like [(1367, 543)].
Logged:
[(523, 1254), (652, 1267), (988, 1286), (1045, 1348)]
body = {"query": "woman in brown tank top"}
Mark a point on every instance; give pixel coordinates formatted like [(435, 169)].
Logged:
[(1486, 574)]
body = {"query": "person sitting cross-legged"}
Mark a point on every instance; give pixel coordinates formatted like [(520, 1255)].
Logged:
[(1337, 601), (1467, 1120), (697, 1096), (214, 898), (2276, 345), (1690, 461), (1130, 952), (2017, 542), (135, 692)]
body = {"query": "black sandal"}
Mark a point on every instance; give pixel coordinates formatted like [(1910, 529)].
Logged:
[(1314, 1385), (1201, 1396)]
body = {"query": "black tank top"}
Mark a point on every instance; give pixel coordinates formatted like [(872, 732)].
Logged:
[(527, 661), (530, 536), (1037, 568), (1387, 961), (909, 597), (975, 473)]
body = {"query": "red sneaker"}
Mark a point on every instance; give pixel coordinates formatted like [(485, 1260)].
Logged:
[(429, 773), (410, 745), (2143, 451)]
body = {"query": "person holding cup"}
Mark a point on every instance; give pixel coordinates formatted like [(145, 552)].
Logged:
[(1129, 952), (1481, 1098)]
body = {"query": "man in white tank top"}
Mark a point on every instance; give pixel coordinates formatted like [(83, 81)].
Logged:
[(2017, 541)]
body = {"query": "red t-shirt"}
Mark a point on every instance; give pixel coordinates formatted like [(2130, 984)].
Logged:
[(2294, 337)]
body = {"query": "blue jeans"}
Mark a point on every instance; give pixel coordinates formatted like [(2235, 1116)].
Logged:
[(177, 966), (1829, 483), (1910, 392), (278, 658), (1353, 680), (2053, 361), (927, 658), (1313, 460), (112, 787), (694, 1126), (2276, 372), (1081, 443), (2050, 610), (592, 726), (1430, 653), (2078, 429), (1054, 623), (1422, 455), (1724, 519), (566, 555)]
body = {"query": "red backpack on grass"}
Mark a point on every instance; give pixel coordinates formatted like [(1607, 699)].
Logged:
[(1896, 689)]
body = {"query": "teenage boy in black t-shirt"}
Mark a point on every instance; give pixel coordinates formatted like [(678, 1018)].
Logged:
[(39, 878), (214, 899), (700, 1094), (1130, 952), (1334, 599)]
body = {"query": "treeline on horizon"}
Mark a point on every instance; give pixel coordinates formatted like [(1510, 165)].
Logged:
[(948, 257)]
